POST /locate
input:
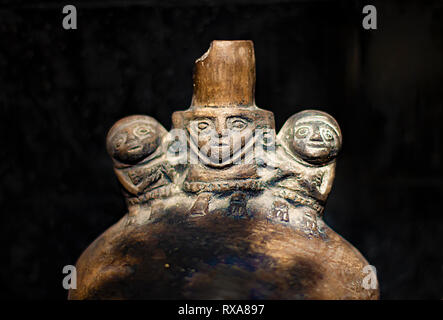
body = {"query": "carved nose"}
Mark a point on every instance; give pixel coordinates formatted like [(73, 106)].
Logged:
[(220, 130), (130, 138), (316, 136)]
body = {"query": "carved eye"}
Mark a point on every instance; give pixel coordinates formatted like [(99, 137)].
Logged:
[(202, 125), (238, 123), (327, 134), (302, 132), (118, 142), (142, 131)]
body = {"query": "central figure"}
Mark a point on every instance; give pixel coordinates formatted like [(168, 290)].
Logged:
[(225, 132)]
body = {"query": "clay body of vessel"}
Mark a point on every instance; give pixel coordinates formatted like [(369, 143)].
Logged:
[(220, 207)]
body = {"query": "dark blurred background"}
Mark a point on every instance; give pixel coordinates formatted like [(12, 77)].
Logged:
[(61, 90)]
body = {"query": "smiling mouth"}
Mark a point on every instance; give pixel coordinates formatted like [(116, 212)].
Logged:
[(316, 145), (134, 148)]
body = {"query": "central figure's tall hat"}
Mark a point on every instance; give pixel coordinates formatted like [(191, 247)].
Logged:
[(225, 75), (224, 78)]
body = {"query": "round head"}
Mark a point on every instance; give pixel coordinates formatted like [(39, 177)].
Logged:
[(313, 136), (134, 138)]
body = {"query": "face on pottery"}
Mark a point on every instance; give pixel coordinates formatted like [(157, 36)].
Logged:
[(221, 137), (134, 141), (315, 140)]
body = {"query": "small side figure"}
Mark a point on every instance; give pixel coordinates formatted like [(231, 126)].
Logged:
[(279, 211), (201, 205), (308, 145), (237, 206), (135, 144)]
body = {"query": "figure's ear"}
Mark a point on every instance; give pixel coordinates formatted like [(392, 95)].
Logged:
[(286, 133), (178, 120), (110, 137), (162, 131)]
